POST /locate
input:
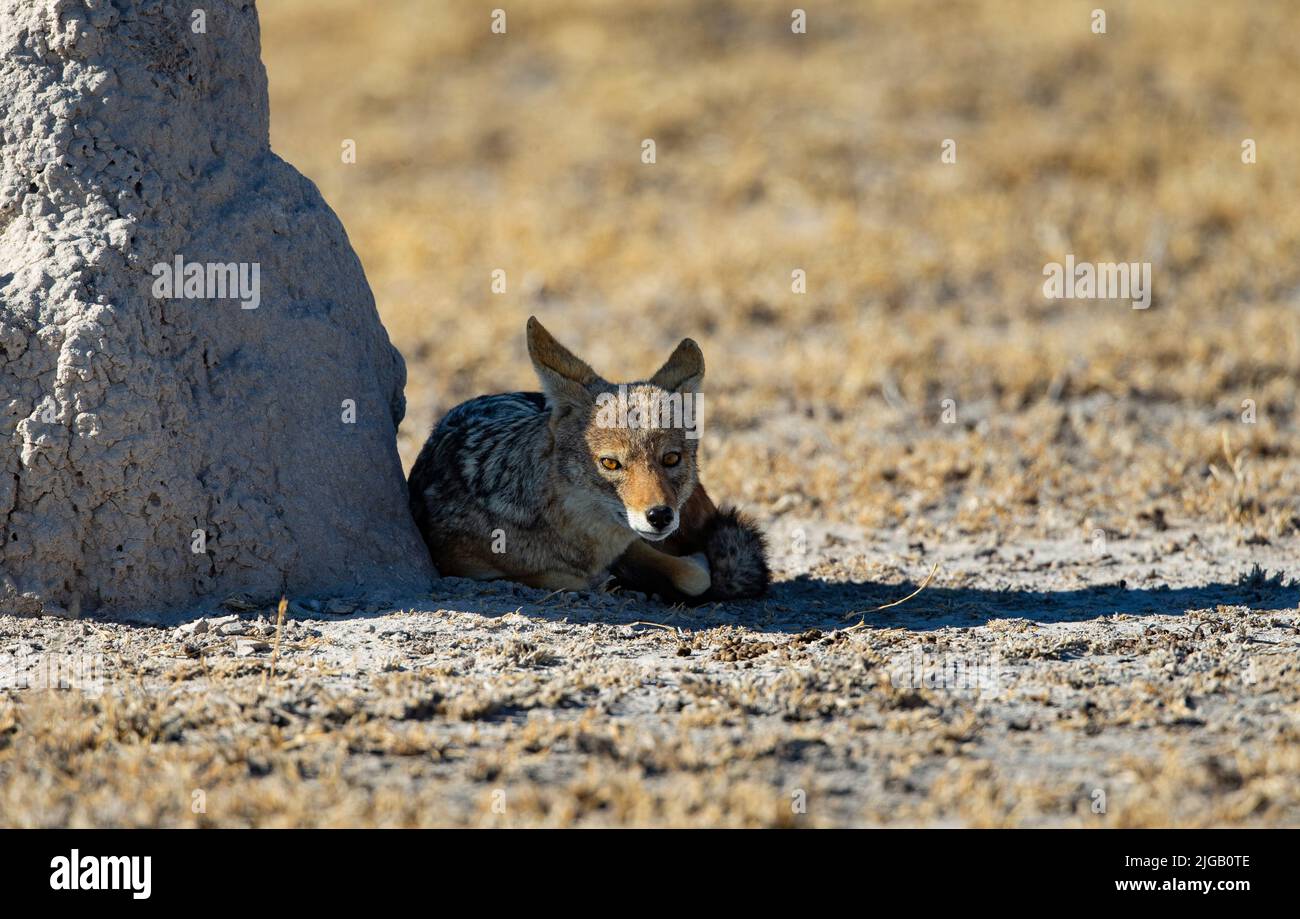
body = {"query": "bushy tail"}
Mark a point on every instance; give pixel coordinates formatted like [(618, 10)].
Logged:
[(733, 545), (737, 554)]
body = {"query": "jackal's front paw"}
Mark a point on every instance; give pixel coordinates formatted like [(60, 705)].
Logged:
[(692, 575)]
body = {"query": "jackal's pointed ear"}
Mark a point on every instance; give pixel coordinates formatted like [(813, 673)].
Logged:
[(684, 371), (564, 377)]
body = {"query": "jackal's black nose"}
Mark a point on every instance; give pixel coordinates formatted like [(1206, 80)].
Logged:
[(660, 516)]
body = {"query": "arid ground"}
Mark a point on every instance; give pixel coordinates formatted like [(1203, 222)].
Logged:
[(1108, 497)]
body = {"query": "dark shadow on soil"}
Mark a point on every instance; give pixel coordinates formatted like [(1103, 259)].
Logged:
[(804, 603), (940, 607)]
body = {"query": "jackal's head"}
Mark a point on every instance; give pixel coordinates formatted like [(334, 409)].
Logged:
[(626, 453)]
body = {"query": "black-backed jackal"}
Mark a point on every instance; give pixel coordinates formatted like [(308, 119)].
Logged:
[(586, 480)]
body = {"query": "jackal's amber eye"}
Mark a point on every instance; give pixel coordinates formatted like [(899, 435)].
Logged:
[(672, 459), (610, 463)]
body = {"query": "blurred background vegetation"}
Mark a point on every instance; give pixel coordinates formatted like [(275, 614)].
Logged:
[(821, 152)]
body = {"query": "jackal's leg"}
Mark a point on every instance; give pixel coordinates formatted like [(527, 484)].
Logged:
[(646, 565), (556, 580), (465, 565)]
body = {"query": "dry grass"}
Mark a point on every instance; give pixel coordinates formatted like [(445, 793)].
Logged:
[(516, 720), (821, 152)]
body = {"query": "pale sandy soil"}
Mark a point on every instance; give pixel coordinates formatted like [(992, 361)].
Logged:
[(1024, 686)]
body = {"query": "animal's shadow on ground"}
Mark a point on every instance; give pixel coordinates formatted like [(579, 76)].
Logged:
[(805, 602), (940, 607)]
